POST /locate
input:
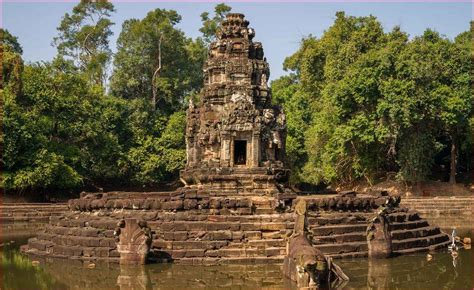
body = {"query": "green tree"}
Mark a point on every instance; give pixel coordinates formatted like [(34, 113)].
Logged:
[(380, 103), (336, 74), (11, 85), (210, 25), (138, 57), (297, 105), (157, 157), (60, 132), (84, 38), (456, 99), (11, 41), (12, 67)]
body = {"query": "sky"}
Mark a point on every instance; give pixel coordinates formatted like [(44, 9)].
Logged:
[(279, 26)]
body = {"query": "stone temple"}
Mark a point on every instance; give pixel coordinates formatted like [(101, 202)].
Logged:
[(234, 206), (235, 137)]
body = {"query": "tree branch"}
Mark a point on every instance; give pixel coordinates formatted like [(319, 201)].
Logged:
[(156, 73)]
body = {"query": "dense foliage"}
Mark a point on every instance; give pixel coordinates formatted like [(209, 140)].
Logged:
[(363, 103), (137, 59), (62, 131), (360, 102)]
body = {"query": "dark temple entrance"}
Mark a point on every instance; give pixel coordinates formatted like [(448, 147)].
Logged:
[(240, 152)]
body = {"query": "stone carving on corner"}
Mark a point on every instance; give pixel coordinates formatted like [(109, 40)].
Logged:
[(306, 265), (379, 238), (133, 239)]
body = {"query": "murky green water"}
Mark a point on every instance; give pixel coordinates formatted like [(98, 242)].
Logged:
[(405, 272)]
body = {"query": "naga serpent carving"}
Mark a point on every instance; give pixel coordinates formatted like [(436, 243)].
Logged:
[(133, 241), (379, 240), (304, 264)]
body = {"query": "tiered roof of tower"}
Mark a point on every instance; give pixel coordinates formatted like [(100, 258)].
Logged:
[(236, 68)]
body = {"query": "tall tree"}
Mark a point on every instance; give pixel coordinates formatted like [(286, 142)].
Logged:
[(210, 25), (151, 43), (298, 109), (457, 99), (84, 38), (10, 88)]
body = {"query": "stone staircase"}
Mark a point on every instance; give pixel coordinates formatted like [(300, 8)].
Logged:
[(191, 237), (194, 227), (343, 234), (30, 212), (441, 206), (339, 234), (410, 233)]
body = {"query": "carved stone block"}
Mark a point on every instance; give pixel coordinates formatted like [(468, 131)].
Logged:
[(133, 241)]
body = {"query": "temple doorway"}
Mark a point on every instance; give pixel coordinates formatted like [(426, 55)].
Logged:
[(240, 152)]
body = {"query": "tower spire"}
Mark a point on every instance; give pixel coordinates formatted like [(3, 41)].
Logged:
[(234, 128)]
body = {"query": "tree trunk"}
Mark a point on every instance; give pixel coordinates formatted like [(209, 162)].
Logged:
[(452, 173), (156, 74)]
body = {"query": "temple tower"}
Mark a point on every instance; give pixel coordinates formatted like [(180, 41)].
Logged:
[(235, 137)]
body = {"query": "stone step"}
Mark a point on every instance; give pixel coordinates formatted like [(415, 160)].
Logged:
[(404, 217), (435, 199), (232, 260), (264, 210), (337, 229), (30, 213), (266, 243), (9, 212), (443, 208), (27, 208), (408, 225), (340, 238), (419, 242), (446, 209), (16, 219), (75, 254), (225, 252), (439, 202), (349, 255), (415, 233), (336, 219), (40, 245), (432, 247), (451, 212), (342, 248)]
